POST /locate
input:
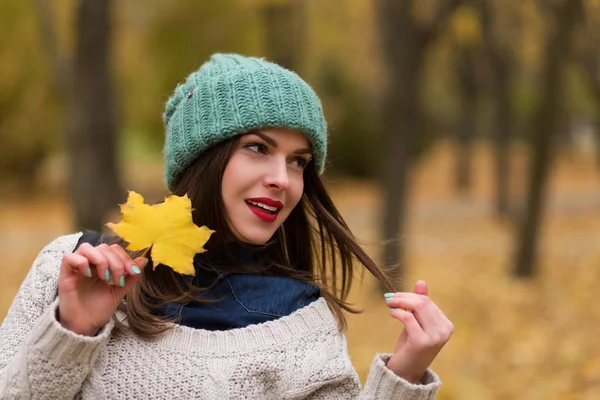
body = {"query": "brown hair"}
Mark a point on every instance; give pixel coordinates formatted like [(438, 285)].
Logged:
[(313, 245)]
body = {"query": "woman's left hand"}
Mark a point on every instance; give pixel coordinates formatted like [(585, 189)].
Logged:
[(426, 330)]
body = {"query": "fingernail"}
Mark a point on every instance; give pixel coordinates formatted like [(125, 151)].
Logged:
[(392, 309), (107, 275), (89, 272), (136, 270), (389, 295), (122, 281)]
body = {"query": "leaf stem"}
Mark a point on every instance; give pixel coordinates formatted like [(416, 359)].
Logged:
[(145, 252)]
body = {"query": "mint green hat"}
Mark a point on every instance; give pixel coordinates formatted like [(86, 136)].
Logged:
[(231, 94)]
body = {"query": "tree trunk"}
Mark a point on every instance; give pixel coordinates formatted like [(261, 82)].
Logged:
[(502, 134), (403, 43), (403, 56), (60, 65), (502, 137), (283, 23), (466, 72), (92, 129), (400, 124), (597, 141), (588, 63), (546, 120)]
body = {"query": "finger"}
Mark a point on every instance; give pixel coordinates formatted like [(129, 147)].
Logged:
[(97, 260), (424, 309), (404, 295), (115, 264), (131, 266), (75, 263), (130, 280), (448, 326), (412, 326), (141, 262), (421, 288), (389, 296), (438, 322)]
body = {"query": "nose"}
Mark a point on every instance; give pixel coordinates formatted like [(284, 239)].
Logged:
[(277, 176)]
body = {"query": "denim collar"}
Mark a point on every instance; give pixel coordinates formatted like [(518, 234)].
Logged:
[(241, 254)]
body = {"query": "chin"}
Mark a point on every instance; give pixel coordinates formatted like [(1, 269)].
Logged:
[(255, 237)]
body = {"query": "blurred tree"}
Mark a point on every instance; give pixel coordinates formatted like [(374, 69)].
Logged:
[(589, 63), (29, 122), (499, 61), (467, 32), (404, 40), (283, 22), (343, 62), (588, 60), (468, 91), (563, 16), (85, 81), (356, 134)]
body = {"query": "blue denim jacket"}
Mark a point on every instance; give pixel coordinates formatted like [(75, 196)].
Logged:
[(241, 300)]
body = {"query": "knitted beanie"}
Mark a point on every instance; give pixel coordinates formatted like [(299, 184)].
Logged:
[(230, 95)]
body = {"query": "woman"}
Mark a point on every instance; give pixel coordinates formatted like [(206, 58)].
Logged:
[(262, 317)]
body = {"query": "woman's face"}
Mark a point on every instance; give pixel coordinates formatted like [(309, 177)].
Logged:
[(263, 181)]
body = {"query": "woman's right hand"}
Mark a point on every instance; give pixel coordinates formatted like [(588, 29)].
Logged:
[(87, 296)]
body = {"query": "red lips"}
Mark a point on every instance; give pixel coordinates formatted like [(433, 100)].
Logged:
[(267, 202), (265, 215)]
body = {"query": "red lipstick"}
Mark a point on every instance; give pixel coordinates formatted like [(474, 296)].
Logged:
[(264, 214), (267, 202)]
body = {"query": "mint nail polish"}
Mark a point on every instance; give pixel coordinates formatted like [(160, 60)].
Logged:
[(107, 275), (89, 272), (136, 270), (122, 281)]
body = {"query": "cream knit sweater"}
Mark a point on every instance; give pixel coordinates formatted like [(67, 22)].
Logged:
[(300, 356)]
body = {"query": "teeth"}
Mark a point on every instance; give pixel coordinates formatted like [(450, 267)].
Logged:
[(261, 205)]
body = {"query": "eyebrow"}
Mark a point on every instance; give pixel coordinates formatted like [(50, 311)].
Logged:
[(273, 143)]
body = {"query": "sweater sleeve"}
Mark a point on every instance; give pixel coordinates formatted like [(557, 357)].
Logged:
[(38, 357), (382, 384)]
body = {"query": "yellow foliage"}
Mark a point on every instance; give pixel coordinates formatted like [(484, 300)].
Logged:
[(514, 339), (263, 3), (592, 12), (466, 26), (166, 228)]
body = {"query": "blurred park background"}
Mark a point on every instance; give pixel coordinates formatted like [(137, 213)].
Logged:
[(465, 151)]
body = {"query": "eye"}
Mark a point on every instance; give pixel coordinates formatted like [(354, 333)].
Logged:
[(256, 147), (300, 162)]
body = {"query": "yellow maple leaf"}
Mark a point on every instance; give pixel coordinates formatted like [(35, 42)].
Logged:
[(167, 228)]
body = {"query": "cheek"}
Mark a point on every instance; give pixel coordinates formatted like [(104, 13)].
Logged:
[(225, 186), (234, 176), (296, 190)]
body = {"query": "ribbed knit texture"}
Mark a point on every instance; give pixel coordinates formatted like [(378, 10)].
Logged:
[(231, 94), (300, 356)]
